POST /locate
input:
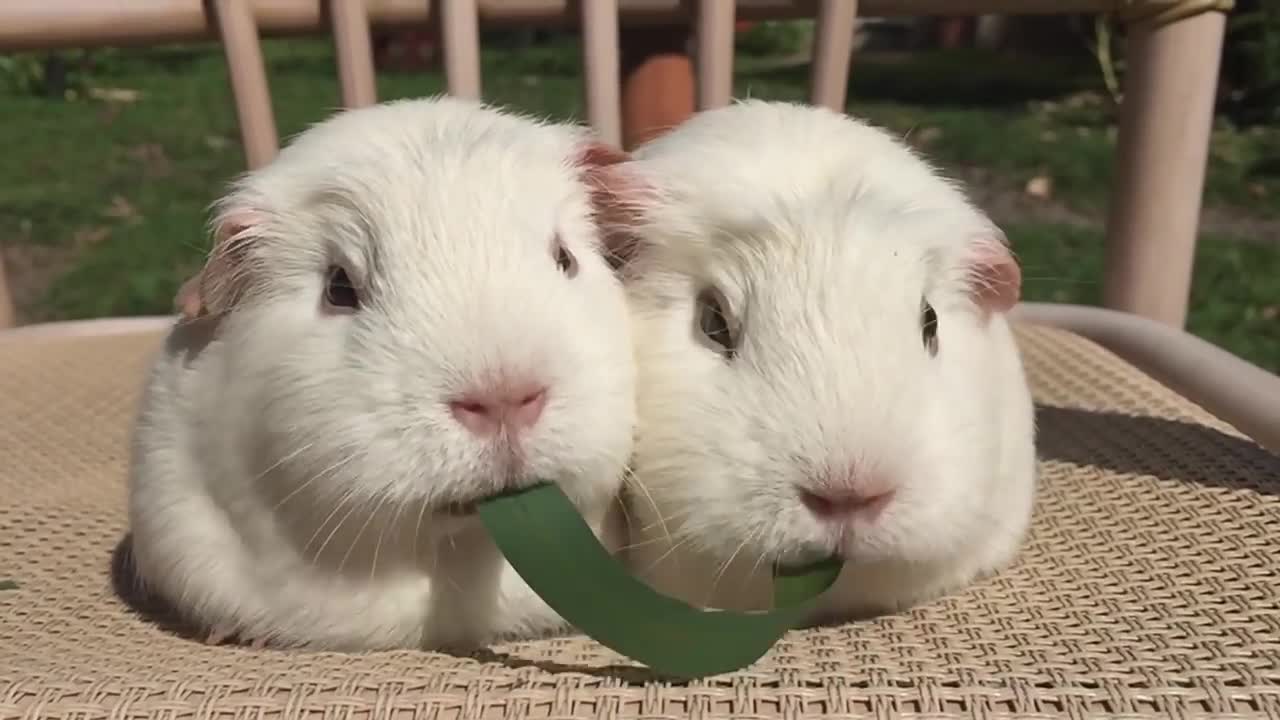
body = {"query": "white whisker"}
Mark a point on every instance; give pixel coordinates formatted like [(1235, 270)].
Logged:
[(334, 531), (323, 473)]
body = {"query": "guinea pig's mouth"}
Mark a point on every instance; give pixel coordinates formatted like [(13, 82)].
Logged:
[(463, 508), (804, 556), (467, 507)]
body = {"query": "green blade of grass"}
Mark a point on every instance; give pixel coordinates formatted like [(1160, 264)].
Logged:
[(553, 549)]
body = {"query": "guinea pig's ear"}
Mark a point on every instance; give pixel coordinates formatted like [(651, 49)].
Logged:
[(594, 155), (216, 288), (187, 302), (616, 197), (993, 273)]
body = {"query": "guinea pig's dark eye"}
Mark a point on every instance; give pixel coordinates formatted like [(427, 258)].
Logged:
[(929, 328), (565, 260), (713, 321), (339, 292)]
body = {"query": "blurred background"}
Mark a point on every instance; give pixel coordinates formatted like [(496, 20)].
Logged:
[(111, 157)]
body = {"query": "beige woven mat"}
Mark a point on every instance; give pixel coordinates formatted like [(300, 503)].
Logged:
[(1149, 587)]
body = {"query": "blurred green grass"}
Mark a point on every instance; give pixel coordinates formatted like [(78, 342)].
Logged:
[(113, 195)]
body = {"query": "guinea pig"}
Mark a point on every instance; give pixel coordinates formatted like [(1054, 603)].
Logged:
[(824, 366), (408, 310)]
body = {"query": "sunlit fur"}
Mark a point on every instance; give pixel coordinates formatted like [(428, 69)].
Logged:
[(287, 475), (823, 234)]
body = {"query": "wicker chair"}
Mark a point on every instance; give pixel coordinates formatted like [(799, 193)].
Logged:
[(1150, 585)]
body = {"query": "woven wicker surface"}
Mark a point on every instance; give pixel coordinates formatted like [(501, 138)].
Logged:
[(1150, 586)]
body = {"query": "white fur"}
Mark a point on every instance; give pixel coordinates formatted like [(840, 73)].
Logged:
[(823, 234), (289, 465)]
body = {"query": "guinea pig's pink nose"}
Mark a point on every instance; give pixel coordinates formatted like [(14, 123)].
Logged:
[(515, 407), (839, 503)]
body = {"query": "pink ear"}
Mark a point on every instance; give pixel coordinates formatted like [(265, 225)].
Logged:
[(615, 197), (994, 274), (221, 281), (188, 302), (595, 154)]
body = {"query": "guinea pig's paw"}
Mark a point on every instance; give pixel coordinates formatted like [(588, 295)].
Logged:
[(222, 634), (219, 634)]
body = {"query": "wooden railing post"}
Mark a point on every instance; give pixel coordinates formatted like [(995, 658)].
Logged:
[(1163, 148), (248, 74), (832, 53), (715, 53), (601, 68), (8, 316), (460, 36), (354, 46)]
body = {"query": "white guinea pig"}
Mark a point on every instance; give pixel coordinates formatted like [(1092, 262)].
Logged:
[(409, 309), (824, 366)]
